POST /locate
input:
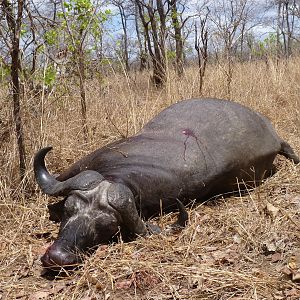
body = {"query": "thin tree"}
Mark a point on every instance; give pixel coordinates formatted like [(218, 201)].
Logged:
[(178, 23), (201, 47), (154, 17), (124, 15), (177, 36), (13, 13), (229, 17), (143, 52), (81, 20), (286, 21)]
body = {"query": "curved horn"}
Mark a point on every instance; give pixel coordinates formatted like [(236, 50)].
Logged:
[(46, 182), (51, 186)]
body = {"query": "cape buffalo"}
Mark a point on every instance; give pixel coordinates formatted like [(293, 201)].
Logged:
[(193, 149)]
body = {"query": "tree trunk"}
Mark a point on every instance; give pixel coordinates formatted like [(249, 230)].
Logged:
[(278, 30), (242, 41), (14, 24), (178, 38), (81, 71), (142, 52), (202, 51), (17, 108), (124, 27), (156, 47), (289, 32)]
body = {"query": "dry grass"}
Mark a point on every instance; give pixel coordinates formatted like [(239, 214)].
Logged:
[(238, 248)]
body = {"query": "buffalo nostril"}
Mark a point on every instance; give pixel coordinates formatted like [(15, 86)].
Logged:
[(56, 257)]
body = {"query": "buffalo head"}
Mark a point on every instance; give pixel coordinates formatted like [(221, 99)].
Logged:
[(93, 211)]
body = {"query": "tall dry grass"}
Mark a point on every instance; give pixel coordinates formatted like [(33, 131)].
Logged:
[(241, 248)]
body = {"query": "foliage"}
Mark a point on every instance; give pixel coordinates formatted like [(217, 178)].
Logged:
[(50, 76), (81, 16), (171, 54), (4, 72), (266, 47), (51, 37), (82, 22)]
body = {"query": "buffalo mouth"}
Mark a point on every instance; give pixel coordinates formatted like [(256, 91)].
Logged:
[(57, 258)]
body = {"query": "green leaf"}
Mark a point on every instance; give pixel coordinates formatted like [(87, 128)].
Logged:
[(171, 54), (23, 32), (50, 76), (51, 37), (4, 72)]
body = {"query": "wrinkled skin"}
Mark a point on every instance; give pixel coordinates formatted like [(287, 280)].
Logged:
[(90, 218), (192, 150), (86, 221)]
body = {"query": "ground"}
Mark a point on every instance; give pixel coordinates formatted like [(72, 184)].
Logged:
[(237, 247)]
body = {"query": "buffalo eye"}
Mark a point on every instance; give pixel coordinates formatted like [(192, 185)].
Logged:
[(73, 205)]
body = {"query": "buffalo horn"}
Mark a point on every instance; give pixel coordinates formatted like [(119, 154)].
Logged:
[(51, 186)]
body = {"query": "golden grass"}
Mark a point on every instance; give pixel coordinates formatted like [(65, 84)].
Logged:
[(237, 248)]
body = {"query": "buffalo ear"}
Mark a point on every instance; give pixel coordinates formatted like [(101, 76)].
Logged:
[(122, 200), (56, 211)]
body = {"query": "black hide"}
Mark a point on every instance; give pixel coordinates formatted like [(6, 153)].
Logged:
[(191, 150)]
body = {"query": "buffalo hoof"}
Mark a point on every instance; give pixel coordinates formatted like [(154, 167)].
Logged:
[(153, 229)]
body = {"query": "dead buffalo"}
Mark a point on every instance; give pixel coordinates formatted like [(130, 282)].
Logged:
[(194, 149)]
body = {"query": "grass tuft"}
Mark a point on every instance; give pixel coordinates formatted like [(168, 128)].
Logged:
[(243, 247)]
